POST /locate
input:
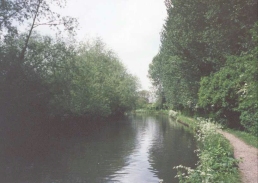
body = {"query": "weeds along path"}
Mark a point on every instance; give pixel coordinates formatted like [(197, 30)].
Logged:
[(249, 155)]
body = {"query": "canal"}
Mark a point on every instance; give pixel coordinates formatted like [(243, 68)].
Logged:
[(137, 149)]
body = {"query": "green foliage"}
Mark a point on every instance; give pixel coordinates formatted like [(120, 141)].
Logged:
[(190, 121), (22, 88), (218, 92), (151, 111), (62, 79), (234, 89), (37, 12), (102, 85), (142, 99), (30, 14), (208, 58), (57, 77), (216, 162)]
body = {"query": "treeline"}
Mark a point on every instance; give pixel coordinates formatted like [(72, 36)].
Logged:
[(207, 63), (64, 79), (57, 77)]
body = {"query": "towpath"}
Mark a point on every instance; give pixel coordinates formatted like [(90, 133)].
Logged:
[(249, 155)]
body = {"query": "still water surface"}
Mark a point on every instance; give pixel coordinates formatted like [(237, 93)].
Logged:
[(139, 149)]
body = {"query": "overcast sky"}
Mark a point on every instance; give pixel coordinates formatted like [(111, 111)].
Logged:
[(131, 28)]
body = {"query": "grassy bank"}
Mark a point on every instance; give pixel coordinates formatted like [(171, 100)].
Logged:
[(216, 161), (186, 120), (246, 137), (148, 111)]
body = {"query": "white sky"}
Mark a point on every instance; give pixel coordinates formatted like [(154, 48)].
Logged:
[(131, 28)]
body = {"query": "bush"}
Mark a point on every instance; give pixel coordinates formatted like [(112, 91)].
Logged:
[(216, 161), (231, 93)]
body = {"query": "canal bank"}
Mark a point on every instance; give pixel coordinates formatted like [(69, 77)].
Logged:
[(216, 154), (216, 157)]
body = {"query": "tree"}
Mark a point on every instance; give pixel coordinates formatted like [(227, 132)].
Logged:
[(143, 97), (196, 39), (58, 79), (231, 93), (35, 81), (100, 86), (33, 13)]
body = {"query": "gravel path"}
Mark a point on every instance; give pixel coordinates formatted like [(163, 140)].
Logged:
[(249, 155)]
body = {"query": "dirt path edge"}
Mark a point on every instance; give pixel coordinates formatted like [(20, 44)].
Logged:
[(248, 165)]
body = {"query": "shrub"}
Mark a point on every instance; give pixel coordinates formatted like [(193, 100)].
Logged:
[(216, 161)]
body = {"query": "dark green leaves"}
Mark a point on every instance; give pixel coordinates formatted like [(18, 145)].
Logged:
[(206, 47)]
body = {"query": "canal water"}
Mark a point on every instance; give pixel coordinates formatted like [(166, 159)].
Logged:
[(138, 149)]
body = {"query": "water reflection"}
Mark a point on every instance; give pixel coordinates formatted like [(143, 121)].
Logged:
[(140, 149), (177, 148), (138, 168)]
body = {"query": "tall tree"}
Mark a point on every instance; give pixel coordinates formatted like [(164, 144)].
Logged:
[(31, 14), (196, 39), (231, 93)]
